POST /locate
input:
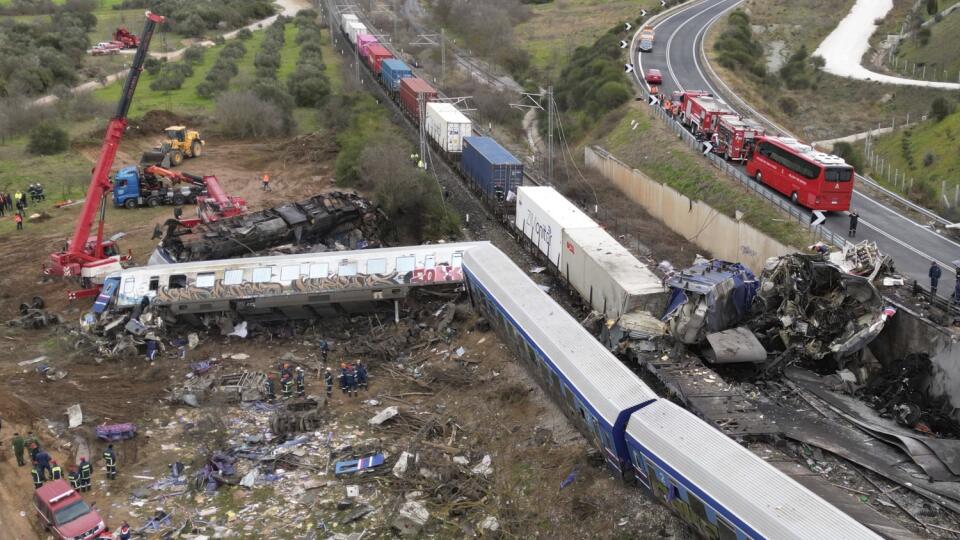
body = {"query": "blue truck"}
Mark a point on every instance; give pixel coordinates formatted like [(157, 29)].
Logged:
[(492, 170), (391, 71), (135, 186)]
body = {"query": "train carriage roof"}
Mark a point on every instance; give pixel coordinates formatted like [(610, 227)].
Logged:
[(608, 385)]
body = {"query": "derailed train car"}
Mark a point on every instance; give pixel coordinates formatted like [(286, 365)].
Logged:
[(720, 488)]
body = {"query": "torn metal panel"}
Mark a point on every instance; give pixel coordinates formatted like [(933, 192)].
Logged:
[(734, 346), (710, 296), (812, 308)]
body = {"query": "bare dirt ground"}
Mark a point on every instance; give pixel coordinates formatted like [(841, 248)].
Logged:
[(496, 408)]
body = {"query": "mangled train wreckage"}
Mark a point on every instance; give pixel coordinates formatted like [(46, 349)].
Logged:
[(335, 217)]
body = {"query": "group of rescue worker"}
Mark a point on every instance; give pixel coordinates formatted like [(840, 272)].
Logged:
[(288, 377), (44, 468), (352, 377)]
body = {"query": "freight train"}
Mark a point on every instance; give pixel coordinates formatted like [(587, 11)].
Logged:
[(488, 168)]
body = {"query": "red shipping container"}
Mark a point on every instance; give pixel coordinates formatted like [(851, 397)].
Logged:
[(376, 53), (410, 88)]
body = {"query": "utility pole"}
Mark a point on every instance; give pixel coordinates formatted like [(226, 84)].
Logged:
[(435, 40), (537, 102), (421, 109)]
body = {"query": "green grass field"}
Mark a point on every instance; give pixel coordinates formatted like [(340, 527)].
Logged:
[(557, 28), (941, 140), (941, 53)]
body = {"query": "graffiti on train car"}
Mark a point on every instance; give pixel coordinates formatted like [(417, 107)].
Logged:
[(417, 276), (438, 274)]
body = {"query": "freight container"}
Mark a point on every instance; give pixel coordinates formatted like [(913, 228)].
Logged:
[(391, 71), (363, 41), (376, 54), (491, 168), (346, 19), (608, 276), (355, 28), (542, 216), (410, 89), (447, 126)]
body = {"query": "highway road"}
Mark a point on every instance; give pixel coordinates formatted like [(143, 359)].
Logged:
[(677, 54)]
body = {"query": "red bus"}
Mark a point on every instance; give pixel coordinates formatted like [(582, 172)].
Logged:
[(810, 178)]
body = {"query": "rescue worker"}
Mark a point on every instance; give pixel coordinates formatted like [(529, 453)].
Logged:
[(37, 479), (18, 446), (854, 218), (343, 378), (328, 379), (286, 387), (123, 533), (956, 289), (300, 383), (18, 199), (361, 375), (324, 350), (110, 460), (56, 471), (18, 219), (33, 445), (265, 182), (351, 380), (42, 460), (74, 477), (153, 347), (86, 474), (271, 389), (3, 205), (934, 273)]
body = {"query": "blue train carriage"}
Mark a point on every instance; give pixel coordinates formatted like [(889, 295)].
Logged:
[(591, 386), (722, 489), (391, 72), (493, 171)]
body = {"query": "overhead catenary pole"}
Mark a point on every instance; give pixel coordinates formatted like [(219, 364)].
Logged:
[(421, 105)]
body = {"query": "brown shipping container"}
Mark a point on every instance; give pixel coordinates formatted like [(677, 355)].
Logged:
[(375, 55), (410, 87)]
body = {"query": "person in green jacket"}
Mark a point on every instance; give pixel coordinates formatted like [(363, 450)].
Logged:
[(19, 444)]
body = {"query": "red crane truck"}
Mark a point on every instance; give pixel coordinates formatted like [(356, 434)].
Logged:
[(88, 257)]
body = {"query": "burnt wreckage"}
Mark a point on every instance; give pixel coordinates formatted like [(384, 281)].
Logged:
[(335, 217)]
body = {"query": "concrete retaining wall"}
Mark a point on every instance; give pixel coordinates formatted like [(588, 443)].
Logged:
[(723, 237)]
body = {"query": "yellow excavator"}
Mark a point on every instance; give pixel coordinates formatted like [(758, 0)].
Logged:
[(180, 143)]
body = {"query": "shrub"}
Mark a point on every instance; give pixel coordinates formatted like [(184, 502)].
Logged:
[(850, 154), (194, 54), (923, 36), (940, 108), (736, 46), (244, 34), (932, 7), (788, 105), (47, 139), (928, 159), (152, 65), (245, 115)]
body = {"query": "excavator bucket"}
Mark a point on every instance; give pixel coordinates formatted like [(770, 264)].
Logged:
[(159, 155)]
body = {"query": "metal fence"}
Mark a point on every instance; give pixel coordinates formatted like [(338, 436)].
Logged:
[(802, 217)]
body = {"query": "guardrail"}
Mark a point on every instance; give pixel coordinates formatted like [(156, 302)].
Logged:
[(802, 217)]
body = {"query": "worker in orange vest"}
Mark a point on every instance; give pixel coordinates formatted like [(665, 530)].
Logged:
[(265, 180)]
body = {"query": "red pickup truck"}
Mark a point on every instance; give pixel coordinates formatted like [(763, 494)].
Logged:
[(63, 512)]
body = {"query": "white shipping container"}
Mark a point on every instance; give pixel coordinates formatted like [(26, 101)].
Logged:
[(355, 28), (608, 276), (447, 126), (346, 19), (543, 214)]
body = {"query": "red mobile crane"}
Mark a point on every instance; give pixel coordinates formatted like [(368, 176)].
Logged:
[(212, 206), (90, 257)]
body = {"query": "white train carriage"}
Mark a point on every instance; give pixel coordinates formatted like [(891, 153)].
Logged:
[(723, 489), (594, 388), (294, 286)]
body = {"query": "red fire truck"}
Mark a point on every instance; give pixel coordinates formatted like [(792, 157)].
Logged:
[(701, 113), (810, 178), (735, 137)]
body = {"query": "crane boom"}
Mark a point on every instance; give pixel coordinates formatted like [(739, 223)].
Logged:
[(83, 251)]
